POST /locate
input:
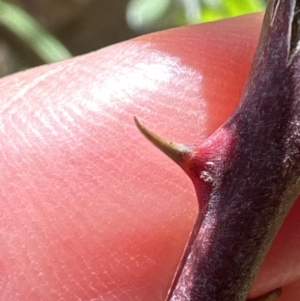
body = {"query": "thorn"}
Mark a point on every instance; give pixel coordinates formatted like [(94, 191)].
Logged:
[(175, 151), (270, 296)]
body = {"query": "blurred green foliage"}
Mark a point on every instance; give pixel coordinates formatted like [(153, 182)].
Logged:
[(142, 16), (25, 27), (149, 15)]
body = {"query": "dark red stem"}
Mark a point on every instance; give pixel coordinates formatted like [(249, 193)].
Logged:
[(251, 179)]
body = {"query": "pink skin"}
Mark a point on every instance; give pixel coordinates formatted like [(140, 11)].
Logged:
[(90, 210)]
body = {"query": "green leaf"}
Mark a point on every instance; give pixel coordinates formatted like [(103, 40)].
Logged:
[(46, 46), (240, 7), (144, 14)]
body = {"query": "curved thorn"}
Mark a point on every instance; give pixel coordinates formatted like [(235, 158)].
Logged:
[(175, 151)]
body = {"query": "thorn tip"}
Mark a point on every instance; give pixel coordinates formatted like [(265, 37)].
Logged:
[(175, 151)]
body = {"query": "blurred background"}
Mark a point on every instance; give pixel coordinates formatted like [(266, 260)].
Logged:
[(38, 32)]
